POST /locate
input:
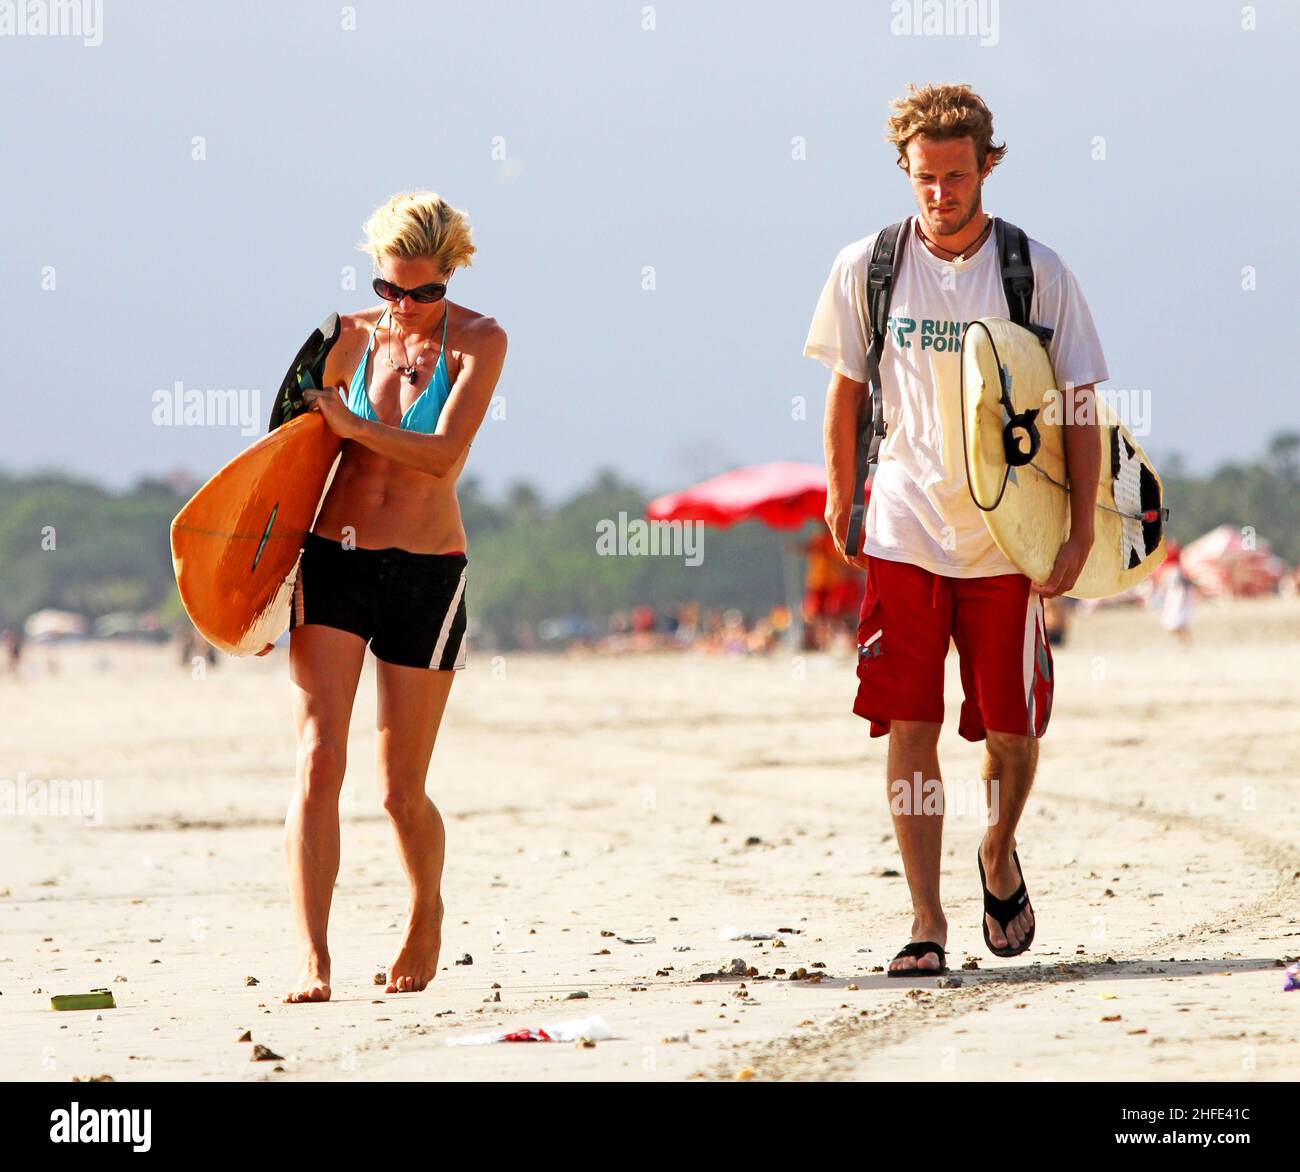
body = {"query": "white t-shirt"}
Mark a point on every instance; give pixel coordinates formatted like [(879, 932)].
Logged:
[(921, 509)]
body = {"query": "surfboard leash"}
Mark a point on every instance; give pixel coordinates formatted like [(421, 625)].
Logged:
[(1018, 457), (1015, 421), (1147, 517)]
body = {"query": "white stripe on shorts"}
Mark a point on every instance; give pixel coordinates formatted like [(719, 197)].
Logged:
[(441, 645), (297, 597), (1029, 650)]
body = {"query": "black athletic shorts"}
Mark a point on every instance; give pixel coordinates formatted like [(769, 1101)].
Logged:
[(410, 607)]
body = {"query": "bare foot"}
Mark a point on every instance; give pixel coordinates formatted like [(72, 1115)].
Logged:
[(313, 981), (936, 931), (417, 960)]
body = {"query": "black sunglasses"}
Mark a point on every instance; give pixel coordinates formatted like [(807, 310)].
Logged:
[(424, 294)]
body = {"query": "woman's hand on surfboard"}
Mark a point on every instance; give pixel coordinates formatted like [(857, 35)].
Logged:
[(1069, 565), (330, 403)]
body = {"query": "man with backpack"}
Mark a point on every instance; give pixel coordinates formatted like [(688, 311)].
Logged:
[(889, 325)]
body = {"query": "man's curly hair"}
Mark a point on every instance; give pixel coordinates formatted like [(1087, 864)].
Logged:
[(942, 112)]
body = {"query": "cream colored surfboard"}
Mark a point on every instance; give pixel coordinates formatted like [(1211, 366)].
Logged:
[(1027, 508)]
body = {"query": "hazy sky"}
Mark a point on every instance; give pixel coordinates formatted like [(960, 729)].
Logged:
[(624, 147)]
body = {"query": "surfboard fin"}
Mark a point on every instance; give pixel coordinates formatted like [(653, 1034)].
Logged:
[(1137, 499), (306, 372)]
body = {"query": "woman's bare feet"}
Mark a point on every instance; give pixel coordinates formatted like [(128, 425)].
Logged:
[(313, 981), (417, 960)]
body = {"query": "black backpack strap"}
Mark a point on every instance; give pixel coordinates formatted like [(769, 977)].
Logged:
[(306, 372), (1018, 276), (871, 418), (1017, 272)]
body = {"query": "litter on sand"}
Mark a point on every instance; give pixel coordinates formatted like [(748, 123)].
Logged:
[(1292, 981), (95, 999), (731, 932), (593, 1029)]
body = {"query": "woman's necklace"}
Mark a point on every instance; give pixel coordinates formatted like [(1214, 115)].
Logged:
[(410, 373)]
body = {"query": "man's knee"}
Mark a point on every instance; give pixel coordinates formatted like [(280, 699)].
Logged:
[(914, 736), (1011, 750)]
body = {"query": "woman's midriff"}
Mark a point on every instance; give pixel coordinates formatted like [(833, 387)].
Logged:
[(381, 505)]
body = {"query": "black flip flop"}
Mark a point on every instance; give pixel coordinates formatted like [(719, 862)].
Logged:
[(918, 949), (1005, 910)]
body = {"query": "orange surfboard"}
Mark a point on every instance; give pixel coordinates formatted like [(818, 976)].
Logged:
[(235, 546)]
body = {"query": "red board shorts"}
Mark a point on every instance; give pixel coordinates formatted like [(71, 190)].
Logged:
[(908, 615)]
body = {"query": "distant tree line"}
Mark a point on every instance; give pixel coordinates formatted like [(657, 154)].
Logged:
[(71, 544)]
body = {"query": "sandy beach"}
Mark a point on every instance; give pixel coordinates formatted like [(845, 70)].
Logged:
[(608, 817)]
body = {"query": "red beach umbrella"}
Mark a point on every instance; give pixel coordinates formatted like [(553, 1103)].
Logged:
[(782, 496)]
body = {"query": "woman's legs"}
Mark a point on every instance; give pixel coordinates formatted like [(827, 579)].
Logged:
[(411, 703), (324, 667)]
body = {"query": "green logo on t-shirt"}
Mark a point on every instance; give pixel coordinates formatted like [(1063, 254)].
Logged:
[(937, 334)]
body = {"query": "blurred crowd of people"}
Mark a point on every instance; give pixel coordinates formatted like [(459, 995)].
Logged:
[(11, 652), (692, 627)]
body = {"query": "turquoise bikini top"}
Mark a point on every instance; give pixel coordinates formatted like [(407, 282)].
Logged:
[(423, 414)]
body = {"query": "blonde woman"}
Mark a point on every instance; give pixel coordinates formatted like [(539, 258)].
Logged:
[(408, 384)]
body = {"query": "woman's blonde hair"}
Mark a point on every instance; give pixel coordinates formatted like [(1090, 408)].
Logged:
[(419, 224), (942, 111)]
